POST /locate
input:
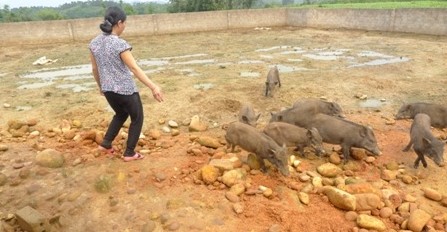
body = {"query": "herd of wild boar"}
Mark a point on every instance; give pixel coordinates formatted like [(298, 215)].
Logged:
[(312, 122)]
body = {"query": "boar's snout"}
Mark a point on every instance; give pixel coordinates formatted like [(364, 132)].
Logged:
[(284, 170), (376, 152), (320, 151)]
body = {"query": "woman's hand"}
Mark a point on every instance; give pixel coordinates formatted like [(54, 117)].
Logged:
[(157, 94)]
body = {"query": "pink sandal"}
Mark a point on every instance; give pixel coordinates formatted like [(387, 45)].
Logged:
[(137, 156)]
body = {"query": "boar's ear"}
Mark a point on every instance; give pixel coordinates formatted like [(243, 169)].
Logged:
[(333, 106), (309, 133), (364, 131), (244, 119)]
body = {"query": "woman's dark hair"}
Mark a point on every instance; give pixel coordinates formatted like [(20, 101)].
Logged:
[(111, 18)]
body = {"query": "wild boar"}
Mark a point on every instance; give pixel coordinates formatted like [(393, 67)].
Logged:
[(291, 135), (347, 134), (296, 116), (315, 106), (424, 143), (437, 113), (251, 140), (247, 115), (272, 81)]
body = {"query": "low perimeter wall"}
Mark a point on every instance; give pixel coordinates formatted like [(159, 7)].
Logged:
[(420, 21)]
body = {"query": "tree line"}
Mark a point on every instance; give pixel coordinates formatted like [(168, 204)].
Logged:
[(96, 8)]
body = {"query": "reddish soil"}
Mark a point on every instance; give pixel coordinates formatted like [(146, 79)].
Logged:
[(163, 188)]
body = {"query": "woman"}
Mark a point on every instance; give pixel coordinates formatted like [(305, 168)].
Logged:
[(112, 64)]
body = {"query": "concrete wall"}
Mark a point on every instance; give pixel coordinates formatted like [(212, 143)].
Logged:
[(420, 21)]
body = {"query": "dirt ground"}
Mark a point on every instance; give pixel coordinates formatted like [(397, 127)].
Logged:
[(210, 74)]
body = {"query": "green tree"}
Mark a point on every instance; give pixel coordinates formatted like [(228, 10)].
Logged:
[(128, 9), (49, 14)]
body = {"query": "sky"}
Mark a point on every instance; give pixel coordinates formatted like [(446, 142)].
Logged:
[(48, 3)]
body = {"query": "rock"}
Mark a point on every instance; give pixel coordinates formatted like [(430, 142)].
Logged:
[(417, 220), (154, 134), (395, 200), (340, 198), (173, 226), (275, 228), (432, 194), (196, 125), (30, 219), (70, 134), (160, 176), (329, 170), (237, 189), (149, 227), (253, 162), (175, 132), (370, 222), (443, 201), (231, 177), (172, 124), (407, 179), (3, 147), (3, 179), (367, 201), (15, 124), (361, 187), (208, 142), (50, 158), (65, 126), (370, 159), (304, 178), (267, 192), (76, 123), (232, 197), (386, 212), (358, 154), (334, 158), (166, 129), (409, 198), (392, 166), (304, 198), (209, 174), (238, 208), (351, 215), (317, 182), (388, 175), (222, 164), (353, 166)]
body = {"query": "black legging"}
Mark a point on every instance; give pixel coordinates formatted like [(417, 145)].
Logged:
[(124, 105)]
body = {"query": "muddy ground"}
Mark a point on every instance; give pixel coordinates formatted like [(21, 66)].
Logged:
[(369, 74)]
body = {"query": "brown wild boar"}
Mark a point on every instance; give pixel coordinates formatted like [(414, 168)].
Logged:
[(437, 113), (291, 135), (272, 81), (296, 116), (247, 115), (315, 106), (347, 134), (251, 140), (424, 143)]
